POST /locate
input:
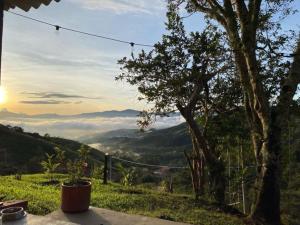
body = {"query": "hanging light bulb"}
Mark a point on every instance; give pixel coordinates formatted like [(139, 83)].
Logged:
[(132, 49)]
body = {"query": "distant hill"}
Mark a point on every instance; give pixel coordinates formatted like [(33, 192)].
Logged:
[(164, 146), (112, 113), (5, 114), (120, 133), (22, 152)]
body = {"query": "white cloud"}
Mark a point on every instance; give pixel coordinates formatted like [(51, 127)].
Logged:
[(124, 6), (75, 128)]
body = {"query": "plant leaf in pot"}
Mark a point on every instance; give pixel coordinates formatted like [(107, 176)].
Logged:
[(76, 191)]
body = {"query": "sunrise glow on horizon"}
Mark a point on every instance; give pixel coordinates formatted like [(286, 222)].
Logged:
[(2, 95)]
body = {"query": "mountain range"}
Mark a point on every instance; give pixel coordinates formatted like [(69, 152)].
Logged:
[(5, 114)]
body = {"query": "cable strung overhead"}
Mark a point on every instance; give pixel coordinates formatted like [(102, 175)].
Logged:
[(58, 27)]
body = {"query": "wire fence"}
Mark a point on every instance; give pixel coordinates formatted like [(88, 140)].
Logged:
[(148, 165), (237, 180)]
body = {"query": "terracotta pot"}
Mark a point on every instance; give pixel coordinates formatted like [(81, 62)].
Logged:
[(76, 198)]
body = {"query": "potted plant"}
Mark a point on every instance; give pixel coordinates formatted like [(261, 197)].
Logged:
[(76, 191)]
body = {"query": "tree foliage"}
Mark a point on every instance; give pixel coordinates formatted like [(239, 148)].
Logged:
[(190, 73)]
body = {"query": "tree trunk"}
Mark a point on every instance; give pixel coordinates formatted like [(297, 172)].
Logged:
[(266, 207), (196, 163), (241, 25), (197, 173), (214, 164), (265, 134)]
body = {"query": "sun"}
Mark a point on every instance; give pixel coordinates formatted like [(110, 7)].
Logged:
[(2, 95)]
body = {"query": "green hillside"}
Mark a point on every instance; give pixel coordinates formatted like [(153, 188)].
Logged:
[(22, 152), (165, 146)]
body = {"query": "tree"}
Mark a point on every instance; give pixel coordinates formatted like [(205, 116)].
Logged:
[(184, 73), (242, 21)]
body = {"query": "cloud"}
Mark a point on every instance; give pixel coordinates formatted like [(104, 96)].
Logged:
[(95, 61), (75, 128), (45, 102), (57, 95), (124, 6)]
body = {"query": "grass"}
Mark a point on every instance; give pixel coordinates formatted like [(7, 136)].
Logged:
[(44, 199), (290, 203)]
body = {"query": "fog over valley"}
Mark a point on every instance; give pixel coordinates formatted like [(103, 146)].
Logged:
[(76, 126)]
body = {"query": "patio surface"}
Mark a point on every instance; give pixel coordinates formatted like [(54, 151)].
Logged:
[(97, 216)]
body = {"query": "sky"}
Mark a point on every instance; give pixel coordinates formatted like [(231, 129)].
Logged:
[(49, 71)]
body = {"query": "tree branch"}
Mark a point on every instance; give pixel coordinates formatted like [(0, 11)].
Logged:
[(215, 4), (200, 7), (198, 85), (211, 11), (254, 9), (242, 11), (290, 85)]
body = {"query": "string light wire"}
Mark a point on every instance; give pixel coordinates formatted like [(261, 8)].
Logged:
[(58, 27), (149, 165), (132, 44)]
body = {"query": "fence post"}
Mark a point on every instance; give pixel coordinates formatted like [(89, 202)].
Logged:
[(243, 183), (229, 173), (105, 168), (110, 167)]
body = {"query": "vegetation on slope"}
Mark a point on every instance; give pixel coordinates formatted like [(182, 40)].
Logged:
[(22, 152), (163, 146)]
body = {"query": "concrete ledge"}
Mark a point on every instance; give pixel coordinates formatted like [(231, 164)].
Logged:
[(97, 216), (38, 220)]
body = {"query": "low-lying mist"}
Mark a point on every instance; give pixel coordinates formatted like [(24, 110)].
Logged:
[(74, 128)]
